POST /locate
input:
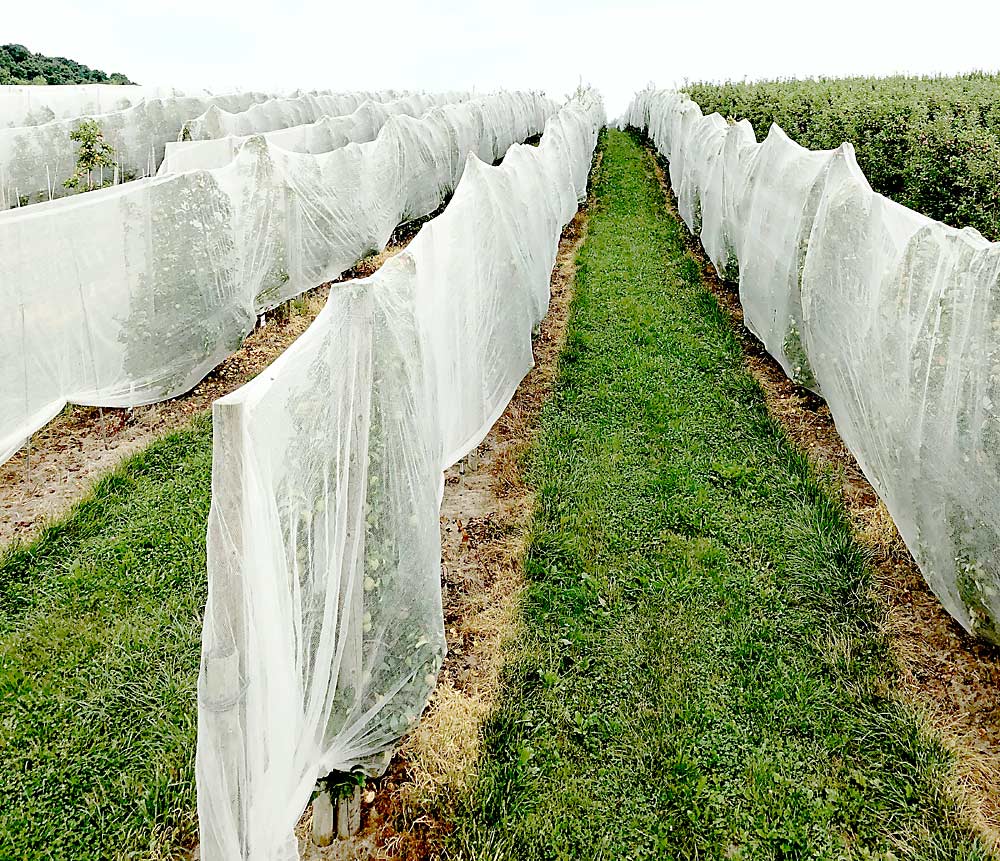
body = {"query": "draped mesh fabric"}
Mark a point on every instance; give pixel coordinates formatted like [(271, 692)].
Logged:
[(323, 135), (35, 160), (323, 631), (892, 316), (219, 122), (30, 105), (130, 295)]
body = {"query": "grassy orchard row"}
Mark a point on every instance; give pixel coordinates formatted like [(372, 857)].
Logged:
[(100, 623), (932, 144), (100, 633), (702, 674)]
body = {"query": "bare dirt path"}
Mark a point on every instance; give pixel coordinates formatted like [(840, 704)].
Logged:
[(950, 677)]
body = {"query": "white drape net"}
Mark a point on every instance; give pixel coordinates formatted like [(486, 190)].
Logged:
[(217, 122), (323, 631), (36, 159), (327, 133), (893, 317), (32, 106), (130, 295)]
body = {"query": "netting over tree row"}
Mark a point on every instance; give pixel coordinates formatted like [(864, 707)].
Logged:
[(893, 317), (275, 114), (327, 133), (32, 105), (130, 295), (36, 160), (323, 631)]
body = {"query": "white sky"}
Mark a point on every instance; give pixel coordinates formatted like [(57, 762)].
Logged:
[(438, 44)]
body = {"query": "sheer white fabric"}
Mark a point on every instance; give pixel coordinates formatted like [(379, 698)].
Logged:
[(327, 133), (31, 105), (323, 632), (130, 295), (894, 317), (913, 380), (218, 122)]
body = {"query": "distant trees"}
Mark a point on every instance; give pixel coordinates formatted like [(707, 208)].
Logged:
[(930, 143), (18, 65)]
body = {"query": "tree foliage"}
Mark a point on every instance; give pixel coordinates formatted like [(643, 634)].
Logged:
[(18, 65), (93, 154), (930, 143)]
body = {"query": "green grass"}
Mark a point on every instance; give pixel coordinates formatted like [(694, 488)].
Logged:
[(703, 677), (100, 629)]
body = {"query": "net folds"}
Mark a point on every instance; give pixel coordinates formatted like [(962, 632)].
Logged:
[(323, 633), (893, 317)]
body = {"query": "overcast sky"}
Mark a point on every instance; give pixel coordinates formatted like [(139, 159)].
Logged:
[(618, 47)]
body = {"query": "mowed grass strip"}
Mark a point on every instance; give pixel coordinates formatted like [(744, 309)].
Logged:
[(100, 630), (703, 675)]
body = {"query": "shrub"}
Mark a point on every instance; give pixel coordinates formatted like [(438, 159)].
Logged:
[(931, 143)]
